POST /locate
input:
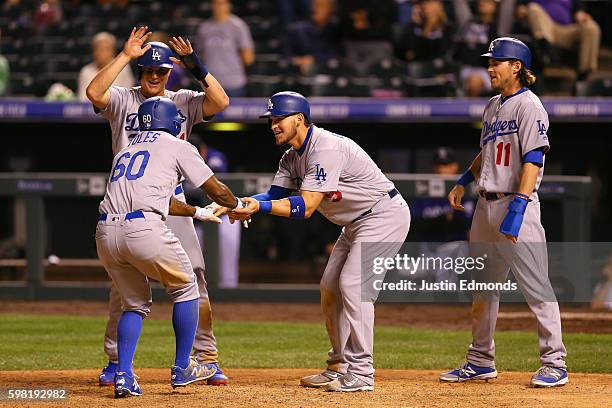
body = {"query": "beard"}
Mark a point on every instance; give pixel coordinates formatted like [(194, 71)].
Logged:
[(286, 137)]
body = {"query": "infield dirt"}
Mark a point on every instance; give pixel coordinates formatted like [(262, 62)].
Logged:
[(279, 388)]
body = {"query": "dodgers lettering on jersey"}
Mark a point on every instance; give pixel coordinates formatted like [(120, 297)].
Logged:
[(340, 168), (122, 112), (511, 128), (146, 172)]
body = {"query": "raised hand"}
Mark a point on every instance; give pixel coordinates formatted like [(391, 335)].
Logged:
[(181, 46), (133, 46)]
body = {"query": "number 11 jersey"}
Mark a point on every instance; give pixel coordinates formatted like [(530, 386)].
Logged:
[(512, 127)]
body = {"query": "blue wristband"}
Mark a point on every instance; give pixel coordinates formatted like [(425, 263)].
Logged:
[(518, 205), (466, 178), (265, 207), (298, 207), (194, 65), (511, 224)]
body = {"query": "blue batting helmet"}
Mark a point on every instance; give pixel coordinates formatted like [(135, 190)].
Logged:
[(287, 103), (509, 48), (157, 56), (159, 113)]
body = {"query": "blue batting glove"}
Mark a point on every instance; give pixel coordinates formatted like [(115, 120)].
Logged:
[(511, 225)]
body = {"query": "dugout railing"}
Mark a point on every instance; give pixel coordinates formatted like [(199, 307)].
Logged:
[(29, 191)]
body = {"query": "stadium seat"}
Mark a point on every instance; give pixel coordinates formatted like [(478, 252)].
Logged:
[(120, 27), (269, 46), (93, 26), (388, 67), (426, 79), (22, 84), (328, 85), (53, 45), (45, 80), (244, 8), (595, 87), (265, 64), (332, 67), (7, 46), (55, 63), (262, 28), (391, 73), (89, 10), (263, 85), (82, 46), (362, 86), (25, 64), (177, 28), (136, 12)]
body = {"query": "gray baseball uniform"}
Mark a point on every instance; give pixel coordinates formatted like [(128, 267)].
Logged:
[(513, 127), (122, 113), (132, 239), (359, 197)]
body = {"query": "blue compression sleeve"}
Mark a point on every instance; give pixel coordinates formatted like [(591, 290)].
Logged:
[(466, 178), (535, 156), (274, 193), (265, 207)]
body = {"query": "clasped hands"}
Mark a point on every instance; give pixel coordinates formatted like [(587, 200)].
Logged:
[(242, 214)]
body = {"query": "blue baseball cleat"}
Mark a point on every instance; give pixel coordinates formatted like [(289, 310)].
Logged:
[(549, 377), (180, 377), (468, 372), (107, 376), (218, 378), (126, 386)]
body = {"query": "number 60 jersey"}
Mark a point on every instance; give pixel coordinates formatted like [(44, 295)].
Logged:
[(511, 127), (146, 172)]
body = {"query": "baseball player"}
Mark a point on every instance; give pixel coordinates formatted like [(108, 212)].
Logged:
[(336, 177), (134, 243), (120, 106), (508, 171)]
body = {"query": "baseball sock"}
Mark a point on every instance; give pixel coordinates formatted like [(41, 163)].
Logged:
[(185, 322), (128, 332)]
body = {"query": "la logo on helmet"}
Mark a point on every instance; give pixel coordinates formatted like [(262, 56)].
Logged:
[(155, 55), (270, 104)]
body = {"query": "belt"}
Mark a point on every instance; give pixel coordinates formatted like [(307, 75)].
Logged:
[(392, 193), (178, 190), (128, 216), (493, 196)]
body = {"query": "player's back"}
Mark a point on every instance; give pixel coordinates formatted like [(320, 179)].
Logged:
[(145, 173)]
